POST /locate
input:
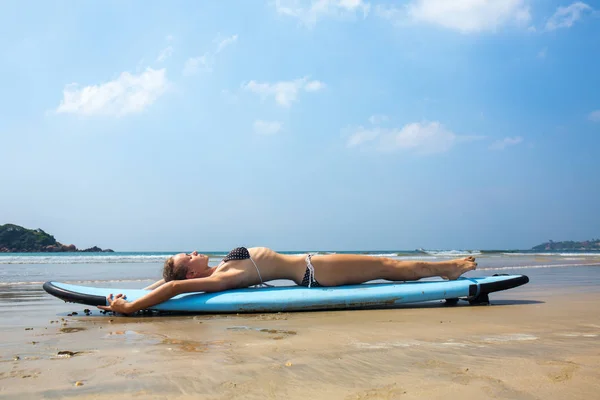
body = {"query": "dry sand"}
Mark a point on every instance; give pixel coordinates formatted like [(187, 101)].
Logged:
[(541, 346)]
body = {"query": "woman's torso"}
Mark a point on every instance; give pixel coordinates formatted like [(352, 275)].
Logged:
[(270, 264)]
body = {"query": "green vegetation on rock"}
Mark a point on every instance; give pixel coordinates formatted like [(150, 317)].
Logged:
[(588, 245), (16, 239)]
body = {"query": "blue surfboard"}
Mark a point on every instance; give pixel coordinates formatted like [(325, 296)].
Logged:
[(298, 298)]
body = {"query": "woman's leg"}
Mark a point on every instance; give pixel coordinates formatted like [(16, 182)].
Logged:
[(345, 269)]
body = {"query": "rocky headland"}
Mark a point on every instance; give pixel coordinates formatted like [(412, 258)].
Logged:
[(16, 239), (587, 245)]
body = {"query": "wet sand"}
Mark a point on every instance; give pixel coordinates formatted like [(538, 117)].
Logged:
[(527, 345)]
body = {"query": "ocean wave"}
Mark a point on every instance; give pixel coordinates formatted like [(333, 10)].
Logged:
[(143, 258), (100, 282), (76, 282), (214, 257), (553, 254), (80, 259), (537, 266), (452, 253)]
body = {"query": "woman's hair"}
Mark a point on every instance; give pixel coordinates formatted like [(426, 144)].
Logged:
[(172, 272)]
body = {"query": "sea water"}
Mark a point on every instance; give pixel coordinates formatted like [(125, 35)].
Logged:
[(132, 269), (23, 302)]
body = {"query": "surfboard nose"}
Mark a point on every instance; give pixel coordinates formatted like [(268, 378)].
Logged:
[(73, 297)]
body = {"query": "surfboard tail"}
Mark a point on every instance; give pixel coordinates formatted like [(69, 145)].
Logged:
[(479, 294)]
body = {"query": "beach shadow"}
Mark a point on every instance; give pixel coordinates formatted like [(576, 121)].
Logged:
[(515, 302), (410, 306), (440, 305)]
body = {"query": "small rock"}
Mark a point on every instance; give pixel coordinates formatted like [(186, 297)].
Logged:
[(67, 353), (16, 358), (78, 383), (74, 313), (69, 315), (87, 310), (28, 329), (288, 364)]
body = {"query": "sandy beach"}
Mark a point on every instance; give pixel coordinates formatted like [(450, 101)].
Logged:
[(532, 343), (219, 157)]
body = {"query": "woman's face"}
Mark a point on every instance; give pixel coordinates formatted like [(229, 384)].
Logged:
[(195, 264)]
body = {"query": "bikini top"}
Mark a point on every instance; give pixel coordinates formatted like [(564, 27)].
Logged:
[(239, 253), (242, 253)]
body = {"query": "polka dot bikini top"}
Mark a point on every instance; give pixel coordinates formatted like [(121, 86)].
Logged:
[(242, 253), (239, 253)]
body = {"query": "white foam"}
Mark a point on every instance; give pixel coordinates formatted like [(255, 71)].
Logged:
[(452, 253), (453, 344), (75, 282), (83, 259), (509, 338), (554, 254), (577, 334), (536, 266)]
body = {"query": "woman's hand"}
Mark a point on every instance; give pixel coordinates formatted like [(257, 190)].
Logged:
[(117, 304)]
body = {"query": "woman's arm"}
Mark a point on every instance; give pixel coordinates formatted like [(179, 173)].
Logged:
[(164, 293), (155, 285)]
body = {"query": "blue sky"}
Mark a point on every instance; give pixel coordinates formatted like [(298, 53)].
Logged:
[(330, 124)]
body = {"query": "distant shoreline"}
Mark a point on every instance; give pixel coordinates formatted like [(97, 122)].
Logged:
[(587, 245), (17, 239)]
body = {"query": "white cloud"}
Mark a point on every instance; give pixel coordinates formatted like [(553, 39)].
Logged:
[(125, 95), (466, 16), (309, 12), (206, 61), (314, 86), (195, 64), (378, 119), (594, 116), (565, 17), (421, 138), (506, 142), (391, 13), (284, 92), (165, 53), (226, 42), (362, 135), (267, 127)]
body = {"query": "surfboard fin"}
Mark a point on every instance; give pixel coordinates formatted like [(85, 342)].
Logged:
[(483, 299)]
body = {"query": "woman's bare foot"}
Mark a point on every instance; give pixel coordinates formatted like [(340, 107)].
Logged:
[(454, 268)]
